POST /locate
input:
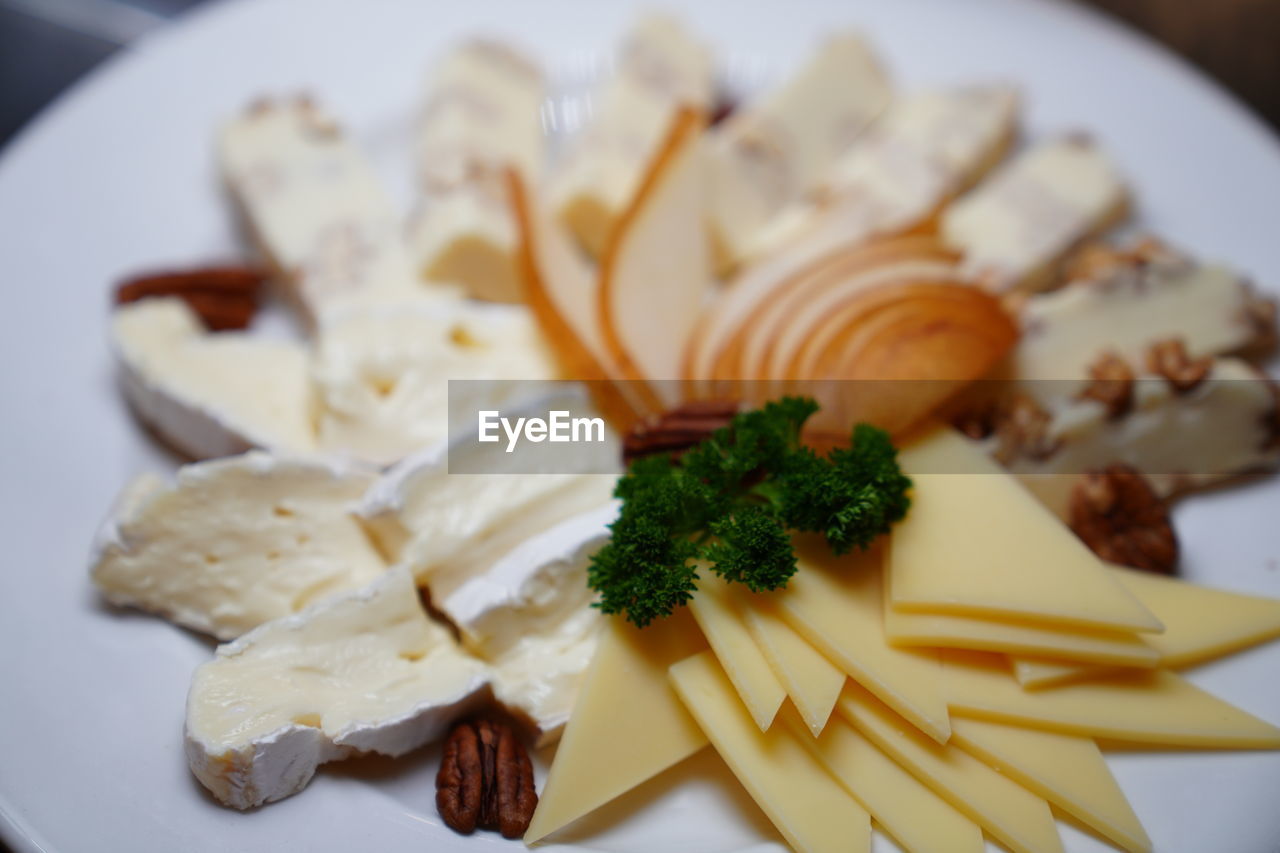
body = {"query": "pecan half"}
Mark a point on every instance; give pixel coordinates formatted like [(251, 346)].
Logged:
[(1260, 315), (1120, 517), (224, 297), (485, 780), (1111, 384), (679, 429), (1169, 359)]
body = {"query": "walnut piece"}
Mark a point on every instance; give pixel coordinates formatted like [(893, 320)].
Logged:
[(485, 780), (224, 297), (679, 429), (1119, 516), (1169, 359), (1111, 384), (1021, 427)]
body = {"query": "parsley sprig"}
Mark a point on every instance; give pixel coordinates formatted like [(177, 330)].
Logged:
[(731, 503)]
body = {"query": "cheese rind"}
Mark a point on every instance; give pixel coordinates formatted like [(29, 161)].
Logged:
[(237, 542), (1068, 771), (628, 724), (1147, 707), (1012, 814), (364, 672), (910, 811), (206, 394), (1018, 226), (807, 806), (976, 543)]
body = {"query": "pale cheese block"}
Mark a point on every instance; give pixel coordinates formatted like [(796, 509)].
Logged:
[(780, 147), (659, 67), (1013, 815), (976, 543), (1018, 226), (1200, 624), (210, 394), (365, 672), (742, 659), (483, 115), (628, 723), (811, 810), (1066, 770), (315, 208), (237, 542), (905, 807), (922, 152), (812, 682), (836, 604), (381, 373), (1155, 706)]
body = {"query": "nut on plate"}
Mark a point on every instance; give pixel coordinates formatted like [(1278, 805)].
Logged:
[(1117, 513), (1169, 358), (1111, 384), (224, 297), (679, 429), (485, 780)]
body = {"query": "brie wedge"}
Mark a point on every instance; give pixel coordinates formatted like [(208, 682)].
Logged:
[(364, 672), (236, 542), (381, 374), (211, 394)]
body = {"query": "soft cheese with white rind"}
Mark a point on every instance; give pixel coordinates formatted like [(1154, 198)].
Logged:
[(483, 115), (781, 146), (210, 394), (659, 67), (315, 208), (237, 542), (364, 672), (1019, 224), (381, 373)]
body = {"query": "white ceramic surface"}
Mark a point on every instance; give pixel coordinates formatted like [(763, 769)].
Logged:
[(118, 176)]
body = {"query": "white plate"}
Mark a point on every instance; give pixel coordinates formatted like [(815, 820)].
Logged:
[(118, 176)]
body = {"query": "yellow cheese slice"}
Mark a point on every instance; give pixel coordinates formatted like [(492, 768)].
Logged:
[(1200, 624), (627, 726), (812, 681), (907, 809), (809, 807), (742, 659), (836, 603), (1013, 815), (976, 542), (1066, 770), (1149, 707)]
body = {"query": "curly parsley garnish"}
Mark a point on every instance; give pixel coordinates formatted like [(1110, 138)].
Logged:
[(732, 501)]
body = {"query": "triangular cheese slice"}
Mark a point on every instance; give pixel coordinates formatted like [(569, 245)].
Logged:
[(743, 661), (908, 810), (836, 603), (1200, 624), (976, 542), (1147, 707), (812, 681), (1013, 815), (1066, 770), (627, 726), (811, 810)]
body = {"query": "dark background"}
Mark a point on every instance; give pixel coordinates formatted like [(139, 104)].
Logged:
[(45, 45)]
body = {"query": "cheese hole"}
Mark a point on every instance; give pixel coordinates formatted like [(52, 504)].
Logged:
[(273, 555), (460, 337), (302, 539), (309, 720), (382, 386), (282, 512), (211, 560), (412, 656)]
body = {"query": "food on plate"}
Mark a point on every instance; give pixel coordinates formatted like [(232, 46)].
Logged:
[(236, 542), (211, 394), (315, 208), (367, 671), (1017, 227), (482, 116), (485, 780), (780, 148), (659, 68), (223, 297)]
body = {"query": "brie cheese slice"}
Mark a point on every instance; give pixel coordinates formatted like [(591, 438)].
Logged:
[(381, 374), (210, 394), (237, 542), (364, 672)]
